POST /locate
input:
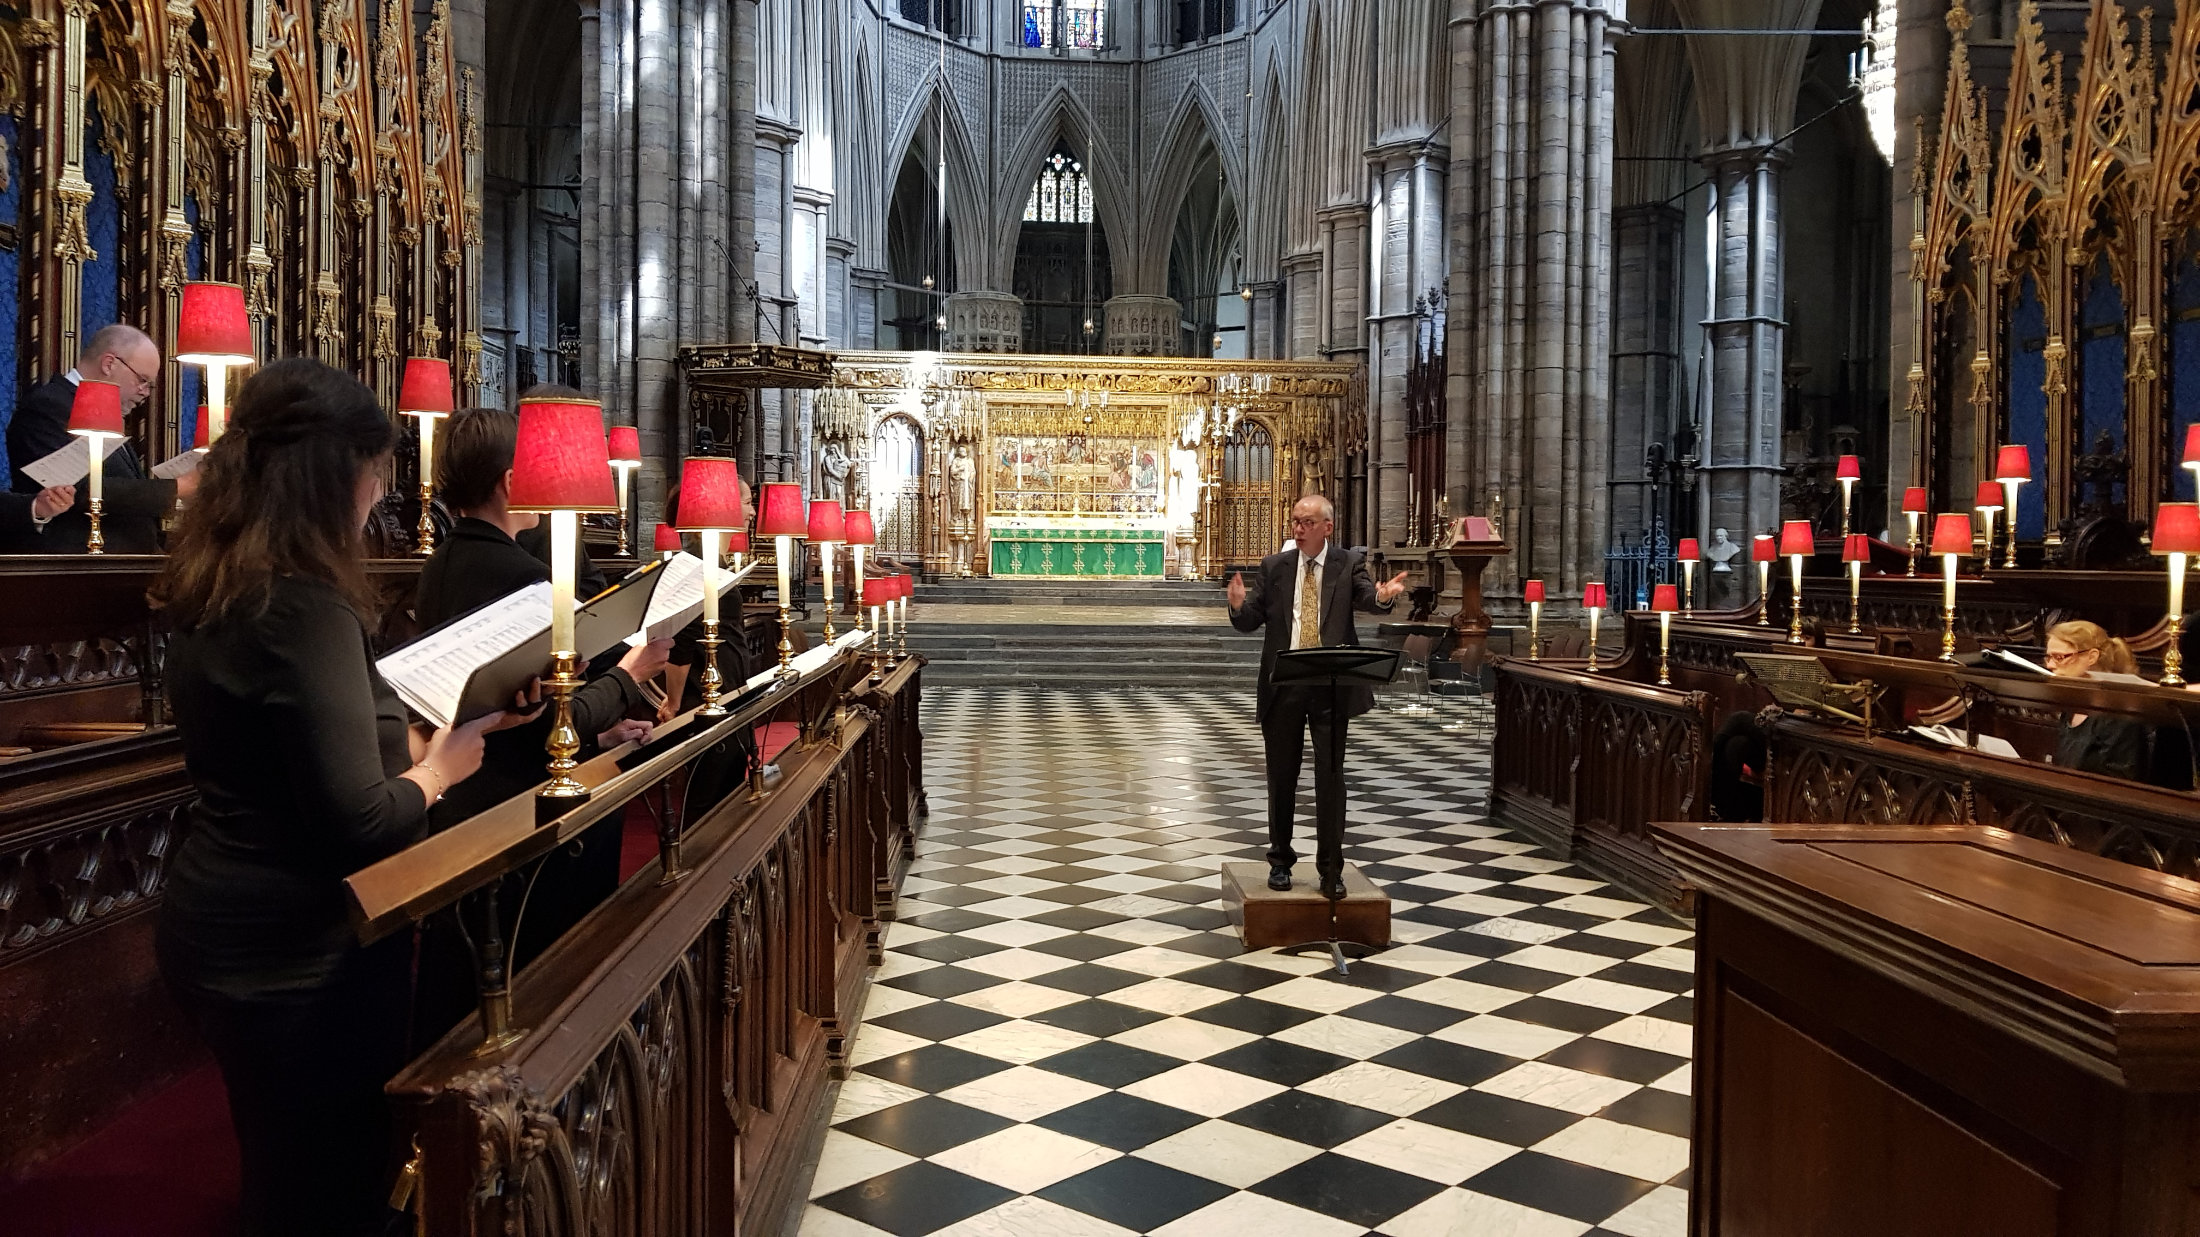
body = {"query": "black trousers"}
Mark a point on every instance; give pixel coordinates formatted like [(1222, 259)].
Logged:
[(305, 1074), (1291, 714)]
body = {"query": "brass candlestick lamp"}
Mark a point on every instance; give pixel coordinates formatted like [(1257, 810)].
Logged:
[(710, 507), (426, 397), (780, 516)]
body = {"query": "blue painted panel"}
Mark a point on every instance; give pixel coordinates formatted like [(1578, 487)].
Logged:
[(11, 212), (2101, 363), (2027, 403), (188, 394), (102, 275), (2184, 365)]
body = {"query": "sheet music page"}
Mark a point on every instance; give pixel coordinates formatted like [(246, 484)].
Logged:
[(430, 673), (70, 464), (179, 465), (679, 597)]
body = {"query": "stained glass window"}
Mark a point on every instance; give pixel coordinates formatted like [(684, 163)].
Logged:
[(1081, 24), (1062, 194)]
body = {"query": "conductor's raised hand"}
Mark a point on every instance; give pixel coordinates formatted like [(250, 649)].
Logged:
[(1237, 590), (1388, 591)]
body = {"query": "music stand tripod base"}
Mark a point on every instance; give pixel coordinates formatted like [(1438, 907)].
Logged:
[(1300, 917)]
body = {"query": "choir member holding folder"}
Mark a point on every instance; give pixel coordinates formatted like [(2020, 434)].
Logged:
[(39, 435), (306, 771)]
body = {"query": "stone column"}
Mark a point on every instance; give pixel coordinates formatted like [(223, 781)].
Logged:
[(1646, 253), (1530, 194)]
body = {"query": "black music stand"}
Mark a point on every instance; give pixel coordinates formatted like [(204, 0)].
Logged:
[(1334, 667)]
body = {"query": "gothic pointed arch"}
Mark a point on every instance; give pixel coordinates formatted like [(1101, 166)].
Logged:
[(1268, 203), (920, 133), (1190, 155), (1064, 120)]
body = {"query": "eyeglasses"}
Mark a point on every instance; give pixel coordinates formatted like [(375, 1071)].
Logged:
[(2059, 658), (143, 380), (1308, 521)]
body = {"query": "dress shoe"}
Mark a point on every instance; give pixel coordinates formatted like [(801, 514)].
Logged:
[(1279, 876), (1333, 887)]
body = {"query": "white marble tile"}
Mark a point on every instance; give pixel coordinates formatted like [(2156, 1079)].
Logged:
[(1483, 904), (1186, 1039), (1647, 1155), (883, 1000), (1015, 933), (1662, 1212), (1639, 932), (1010, 865), (1028, 1216), (1169, 996), (900, 935), (1023, 1093), (1409, 932), (875, 1043), (1604, 994), (1017, 964), (1289, 964), (1014, 907), (1204, 1089), (1525, 931), (1012, 886), (1656, 1034), (1506, 1036), (1025, 1158), (1317, 995), (847, 1159), (1017, 999), (820, 1222), (1523, 863), (862, 1094), (1555, 1086), (1225, 1151), (1135, 904), (1019, 1041), (1598, 905), (1462, 993), (1441, 1155), (1256, 1215), (1382, 1088), (1347, 1037), (1428, 961), (1155, 960), (1463, 1213), (1126, 882), (1677, 1082), (1560, 884), (1671, 958), (1559, 960), (1140, 932), (897, 965)]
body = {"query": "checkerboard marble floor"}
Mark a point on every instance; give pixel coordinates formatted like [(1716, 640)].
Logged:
[(1066, 1037)]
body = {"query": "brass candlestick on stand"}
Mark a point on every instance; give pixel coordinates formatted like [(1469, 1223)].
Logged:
[(424, 535), (563, 791), (1917, 544), (98, 542), (713, 685)]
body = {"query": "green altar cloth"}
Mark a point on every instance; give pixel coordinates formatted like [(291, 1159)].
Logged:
[(1090, 553)]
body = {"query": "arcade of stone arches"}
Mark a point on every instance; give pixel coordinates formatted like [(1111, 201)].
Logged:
[(1068, 466)]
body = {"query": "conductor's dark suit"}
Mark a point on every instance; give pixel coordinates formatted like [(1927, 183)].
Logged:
[(131, 507), (1286, 713)]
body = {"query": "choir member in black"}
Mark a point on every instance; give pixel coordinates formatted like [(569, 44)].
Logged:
[(2099, 742), (306, 772), (24, 518), (726, 766), (132, 503)]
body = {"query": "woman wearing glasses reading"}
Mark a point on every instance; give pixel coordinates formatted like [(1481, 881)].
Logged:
[(2099, 742)]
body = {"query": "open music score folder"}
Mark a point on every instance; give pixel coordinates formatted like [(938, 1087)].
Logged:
[(474, 664), (679, 598)]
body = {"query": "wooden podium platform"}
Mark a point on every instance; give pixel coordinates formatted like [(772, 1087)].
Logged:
[(1300, 915), (1939, 1032)]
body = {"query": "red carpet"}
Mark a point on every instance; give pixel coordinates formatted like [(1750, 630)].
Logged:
[(165, 1168), (638, 839)]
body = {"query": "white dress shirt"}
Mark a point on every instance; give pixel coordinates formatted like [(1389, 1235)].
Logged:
[(1298, 590)]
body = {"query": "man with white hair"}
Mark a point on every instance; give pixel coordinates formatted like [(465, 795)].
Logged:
[(133, 504), (1305, 597)]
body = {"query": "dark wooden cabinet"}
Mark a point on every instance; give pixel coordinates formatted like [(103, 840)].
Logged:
[(1939, 1032)]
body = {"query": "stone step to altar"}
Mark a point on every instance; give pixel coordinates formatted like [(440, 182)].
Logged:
[(1070, 592)]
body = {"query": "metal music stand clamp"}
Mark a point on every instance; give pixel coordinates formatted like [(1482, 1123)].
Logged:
[(1797, 681), (1334, 667)]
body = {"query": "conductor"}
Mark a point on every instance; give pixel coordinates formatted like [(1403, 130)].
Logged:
[(1305, 596)]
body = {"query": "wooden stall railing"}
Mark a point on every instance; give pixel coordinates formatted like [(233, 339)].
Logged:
[(667, 1057)]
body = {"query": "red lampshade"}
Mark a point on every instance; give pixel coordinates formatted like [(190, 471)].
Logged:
[(97, 409), (212, 328), (626, 445), (668, 537), (560, 461), (2013, 463), (1688, 551), (1796, 539), (1856, 548), (1850, 469), (710, 494), (1989, 496), (879, 590), (1592, 595), (861, 531), (1915, 502), (1665, 597), (779, 510), (1952, 533), (1763, 549), (199, 430), (1532, 591), (908, 585), (2177, 528), (2192, 446), (735, 541), (827, 523), (427, 387)]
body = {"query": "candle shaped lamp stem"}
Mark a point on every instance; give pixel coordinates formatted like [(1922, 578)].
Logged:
[(825, 573), (1665, 648), (217, 400), (1795, 599), (713, 682), (1856, 597), (1948, 607), (2009, 489), (424, 535), (95, 415), (1848, 490), (2173, 655), (1595, 613), (563, 791), (98, 542), (783, 550), (1688, 584), (878, 650), (1917, 545), (1535, 631), (623, 475), (1593, 597), (1764, 593)]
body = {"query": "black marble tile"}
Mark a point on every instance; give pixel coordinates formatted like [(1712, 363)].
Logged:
[(1608, 946), (1199, 918), (1473, 944), (1454, 1063), (943, 981), (1108, 1064), (1622, 1061), (934, 1067), (1374, 975), (1407, 1014), (1253, 1015), (1348, 1189), (1496, 1117), (1192, 896), (955, 920), (1316, 1120), (1679, 1009), (939, 1020), (1573, 921), (1238, 977), (1136, 1194), (957, 896), (1279, 1062), (1097, 1018), (1089, 978), (1653, 1109), (1210, 945), (1562, 1187), (1124, 1122), (916, 1199), (1656, 978), (1073, 895), (1513, 976), (955, 948), (1077, 918), (925, 1126), (1083, 946), (1561, 1015)]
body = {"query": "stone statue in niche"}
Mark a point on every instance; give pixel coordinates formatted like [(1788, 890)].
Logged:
[(962, 472), (859, 484), (834, 465), (1721, 551)]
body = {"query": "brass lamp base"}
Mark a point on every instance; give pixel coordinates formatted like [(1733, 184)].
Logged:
[(424, 535), (786, 642), (713, 683), (98, 542), (563, 792), (2173, 656)]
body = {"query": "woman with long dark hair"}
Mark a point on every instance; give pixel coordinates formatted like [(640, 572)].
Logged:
[(306, 771)]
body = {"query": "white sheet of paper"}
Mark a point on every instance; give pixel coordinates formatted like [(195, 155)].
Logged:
[(72, 463), (1993, 746), (430, 673), (679, 597), (179, 465)]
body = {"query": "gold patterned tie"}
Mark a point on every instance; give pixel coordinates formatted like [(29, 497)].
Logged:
[(1310, 607)]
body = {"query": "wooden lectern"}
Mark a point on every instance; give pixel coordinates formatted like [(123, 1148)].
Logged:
[(1474, 543), (1939, 1032)]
